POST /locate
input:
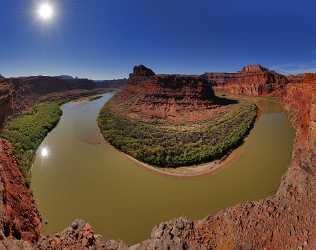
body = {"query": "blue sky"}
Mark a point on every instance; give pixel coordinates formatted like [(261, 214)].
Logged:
[(103, 39)]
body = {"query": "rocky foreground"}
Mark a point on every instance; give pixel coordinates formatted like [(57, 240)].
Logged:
[(284, 221)]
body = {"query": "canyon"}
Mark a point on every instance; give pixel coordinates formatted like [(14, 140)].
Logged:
[(283, 221)]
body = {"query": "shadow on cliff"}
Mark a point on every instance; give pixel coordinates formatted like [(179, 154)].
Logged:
[(222, 101)]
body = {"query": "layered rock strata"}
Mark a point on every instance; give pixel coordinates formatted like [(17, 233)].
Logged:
[(173, 98), (252, 80)]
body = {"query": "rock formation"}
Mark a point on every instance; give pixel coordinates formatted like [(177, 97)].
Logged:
[(252, 80), (283, 221), (5, 100), (19, 216), (175, 98)]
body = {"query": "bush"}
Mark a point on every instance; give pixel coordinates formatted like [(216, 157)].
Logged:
[(181, 145), (26, 132)]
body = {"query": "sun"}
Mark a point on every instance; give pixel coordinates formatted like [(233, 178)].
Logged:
[(45, 11), (44, 152)]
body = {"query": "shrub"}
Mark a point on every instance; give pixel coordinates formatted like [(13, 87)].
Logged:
[(181, 145), (25, 132)]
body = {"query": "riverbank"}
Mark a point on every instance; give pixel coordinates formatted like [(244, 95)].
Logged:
[(25, 128), (188, 171), (26, 131), (169, 145), (105, 172)]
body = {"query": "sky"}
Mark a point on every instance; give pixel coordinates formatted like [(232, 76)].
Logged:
[(104, 39)]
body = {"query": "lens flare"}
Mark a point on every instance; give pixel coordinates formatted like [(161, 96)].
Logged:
[(46, 11)]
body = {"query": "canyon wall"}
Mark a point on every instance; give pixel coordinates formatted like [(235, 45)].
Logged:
[(283, 221), (252, 80), (19, 217), (5, 100)]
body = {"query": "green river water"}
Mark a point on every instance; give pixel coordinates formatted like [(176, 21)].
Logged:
[(76, 174)]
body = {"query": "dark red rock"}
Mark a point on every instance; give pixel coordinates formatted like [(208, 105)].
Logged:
[(20, 218), (141, 70), (252, 80), (175, 98)]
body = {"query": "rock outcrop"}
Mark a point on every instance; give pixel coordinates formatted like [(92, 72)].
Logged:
[(5, 100), (19, 216), (175, 98), (252, 80), (78, 236)]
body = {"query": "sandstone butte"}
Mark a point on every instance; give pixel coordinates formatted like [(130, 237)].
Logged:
[(283, 221), (174, 98)]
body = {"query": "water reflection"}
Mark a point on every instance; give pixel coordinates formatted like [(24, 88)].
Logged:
[(44, 152)]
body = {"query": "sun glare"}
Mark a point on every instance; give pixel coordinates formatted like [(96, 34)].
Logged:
[(46, 11), (44, 152)]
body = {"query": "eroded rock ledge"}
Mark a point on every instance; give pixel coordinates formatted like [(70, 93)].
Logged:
[(175, 98), (252, 80)]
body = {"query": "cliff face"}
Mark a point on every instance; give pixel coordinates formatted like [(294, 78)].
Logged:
[(252, 80), (174, 98), (19, 216), (5, 100)]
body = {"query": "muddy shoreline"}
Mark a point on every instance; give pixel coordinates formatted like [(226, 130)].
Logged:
[(203, 168), (187, 171)]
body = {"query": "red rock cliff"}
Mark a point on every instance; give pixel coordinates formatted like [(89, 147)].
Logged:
[(19, 216), (5, 100), (174, 98), (252, 80)]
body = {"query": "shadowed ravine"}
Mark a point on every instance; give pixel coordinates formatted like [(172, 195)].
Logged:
[(84, 177)]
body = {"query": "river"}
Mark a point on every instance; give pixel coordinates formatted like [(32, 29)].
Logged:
[(76, 174)]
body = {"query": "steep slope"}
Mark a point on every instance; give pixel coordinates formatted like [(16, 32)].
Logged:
[(252, 80), (175, 98), (5, 100)]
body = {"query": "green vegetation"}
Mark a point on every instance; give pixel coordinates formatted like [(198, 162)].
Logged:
[(179, 145), (26, 131)]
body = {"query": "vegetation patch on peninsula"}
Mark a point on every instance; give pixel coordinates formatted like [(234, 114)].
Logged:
[(26, 131), (170, 145)]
